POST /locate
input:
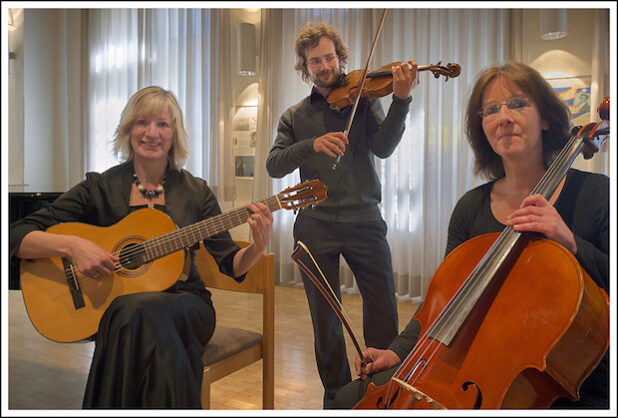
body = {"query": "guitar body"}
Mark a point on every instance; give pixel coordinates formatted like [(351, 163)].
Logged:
[(46, 289), (66, 306)]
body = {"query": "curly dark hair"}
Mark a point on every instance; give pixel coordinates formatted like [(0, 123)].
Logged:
[(309, 37), (488, 164)]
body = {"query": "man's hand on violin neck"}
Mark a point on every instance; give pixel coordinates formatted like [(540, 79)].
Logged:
[(404, 79), (332, 144)]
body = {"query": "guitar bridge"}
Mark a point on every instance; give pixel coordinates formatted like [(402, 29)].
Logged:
[(71, 275)]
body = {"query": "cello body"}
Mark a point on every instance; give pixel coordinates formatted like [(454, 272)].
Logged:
[(535, 334)]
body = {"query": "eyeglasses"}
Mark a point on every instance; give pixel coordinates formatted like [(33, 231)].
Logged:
[(491, 109), (318, 61)]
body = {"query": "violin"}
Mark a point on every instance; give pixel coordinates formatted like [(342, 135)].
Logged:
[(379, 83)]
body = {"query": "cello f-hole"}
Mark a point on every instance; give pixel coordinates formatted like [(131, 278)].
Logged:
[(479, 394)]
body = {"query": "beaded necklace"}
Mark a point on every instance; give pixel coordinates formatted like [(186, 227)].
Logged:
[(150, 194)]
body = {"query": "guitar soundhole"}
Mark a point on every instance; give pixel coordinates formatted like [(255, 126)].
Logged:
[(131, 257)]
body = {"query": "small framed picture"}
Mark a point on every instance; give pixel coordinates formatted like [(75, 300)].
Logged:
[(244, 165)]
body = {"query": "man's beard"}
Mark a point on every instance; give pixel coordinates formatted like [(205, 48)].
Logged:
[(332, 81)]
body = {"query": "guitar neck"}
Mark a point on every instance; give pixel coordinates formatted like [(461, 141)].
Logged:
[(189, 235)]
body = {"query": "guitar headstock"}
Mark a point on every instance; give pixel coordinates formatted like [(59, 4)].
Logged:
[(307, 193)]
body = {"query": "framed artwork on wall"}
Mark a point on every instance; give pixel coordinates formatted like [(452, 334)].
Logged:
[(244, 165), (575, 92)]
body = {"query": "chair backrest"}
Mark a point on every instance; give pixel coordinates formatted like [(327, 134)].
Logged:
[(256, 280), (259, 279)]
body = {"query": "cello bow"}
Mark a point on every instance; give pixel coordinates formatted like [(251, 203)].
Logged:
[(300, 250)]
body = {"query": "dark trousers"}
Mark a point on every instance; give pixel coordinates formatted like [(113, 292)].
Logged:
[(365, 249)]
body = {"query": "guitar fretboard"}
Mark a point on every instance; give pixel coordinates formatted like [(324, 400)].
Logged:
[(187, 236)]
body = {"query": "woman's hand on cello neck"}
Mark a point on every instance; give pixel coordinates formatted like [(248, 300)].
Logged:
[(536, 214)]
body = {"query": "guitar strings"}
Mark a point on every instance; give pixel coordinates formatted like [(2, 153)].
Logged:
[(273, 203), (210, 227)]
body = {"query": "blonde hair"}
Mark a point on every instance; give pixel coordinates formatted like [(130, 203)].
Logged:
[(148, 101)]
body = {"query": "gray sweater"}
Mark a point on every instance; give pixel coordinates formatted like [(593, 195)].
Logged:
[(354, 189)]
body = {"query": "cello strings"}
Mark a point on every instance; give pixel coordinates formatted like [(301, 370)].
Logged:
[(428, 348)]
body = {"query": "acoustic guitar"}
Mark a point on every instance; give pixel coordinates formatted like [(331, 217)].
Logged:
[(66, 306)]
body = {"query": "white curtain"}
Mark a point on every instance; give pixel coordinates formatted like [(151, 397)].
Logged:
[(179, 50), (432, 166)]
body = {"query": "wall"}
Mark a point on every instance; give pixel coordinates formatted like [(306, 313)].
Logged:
[(41, 59), (45, 101), (573, 60), (571, 55), (16, 98), (244, 92)]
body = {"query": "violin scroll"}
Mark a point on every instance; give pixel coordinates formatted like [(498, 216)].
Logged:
[(451, 70)]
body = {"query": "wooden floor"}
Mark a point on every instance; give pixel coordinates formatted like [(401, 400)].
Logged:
[(48, 375)]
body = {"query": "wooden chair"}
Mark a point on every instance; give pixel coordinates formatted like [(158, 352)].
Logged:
[(230, 349)]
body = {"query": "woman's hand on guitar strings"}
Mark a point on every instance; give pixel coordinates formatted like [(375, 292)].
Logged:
[(92, 260), (260, 222)]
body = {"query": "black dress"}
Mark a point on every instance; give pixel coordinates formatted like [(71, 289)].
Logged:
[(149, 345)]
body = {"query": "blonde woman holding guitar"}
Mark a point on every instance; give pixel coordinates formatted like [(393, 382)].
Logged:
[(150, 334)]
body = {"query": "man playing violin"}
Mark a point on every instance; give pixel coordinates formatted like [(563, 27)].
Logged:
[(516, 125), (310, 136)]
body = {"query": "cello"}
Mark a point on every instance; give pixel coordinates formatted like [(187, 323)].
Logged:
[(485, 299)]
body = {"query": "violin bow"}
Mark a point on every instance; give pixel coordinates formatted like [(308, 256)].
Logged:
[(375, 39), (331, 298)]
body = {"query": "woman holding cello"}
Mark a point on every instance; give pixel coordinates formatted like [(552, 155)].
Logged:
[(516, 125)]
